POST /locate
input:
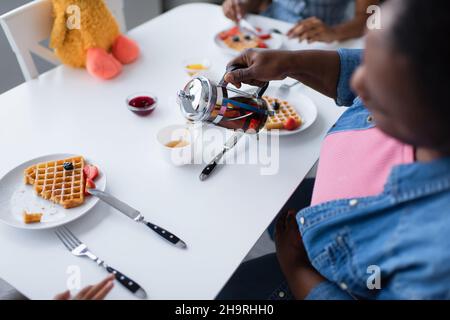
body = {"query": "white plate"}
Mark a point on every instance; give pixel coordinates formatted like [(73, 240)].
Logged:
[(15, 197), (304, 106), (275, 43)]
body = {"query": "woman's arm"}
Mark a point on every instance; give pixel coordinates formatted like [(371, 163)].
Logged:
[(303, 280), (317, 69), (300, 275)]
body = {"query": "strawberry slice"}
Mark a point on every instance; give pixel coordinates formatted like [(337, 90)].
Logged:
[(233, 31), (262, 45), (229, 33), (86, 171), (90, 172), (291, 124), (265, 36), (224, 35), (89, 185)]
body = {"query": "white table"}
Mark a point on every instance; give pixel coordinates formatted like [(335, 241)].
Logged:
[(66, 110)]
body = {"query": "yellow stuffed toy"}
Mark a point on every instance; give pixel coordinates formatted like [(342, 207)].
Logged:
[(96, 44)]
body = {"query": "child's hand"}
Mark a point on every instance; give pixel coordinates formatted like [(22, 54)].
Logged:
[(291, 252), (96, 292), (235, 9), (312, 29)]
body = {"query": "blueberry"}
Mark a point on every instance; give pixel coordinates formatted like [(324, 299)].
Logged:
[(276, 105), (68, 166), (236, 39)]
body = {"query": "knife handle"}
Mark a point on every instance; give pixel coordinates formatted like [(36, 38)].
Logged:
[(163, 233), (212, 166), (208, 170), (124, 280)]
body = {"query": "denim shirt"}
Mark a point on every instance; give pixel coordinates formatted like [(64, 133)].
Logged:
[(402, 234), (332, 12)]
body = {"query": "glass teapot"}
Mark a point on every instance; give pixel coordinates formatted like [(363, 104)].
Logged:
[(202, 100)]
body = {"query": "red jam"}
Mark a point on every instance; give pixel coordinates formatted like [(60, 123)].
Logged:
[(144, 103)]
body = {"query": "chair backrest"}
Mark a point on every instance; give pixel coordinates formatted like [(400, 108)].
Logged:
[(27, 27)]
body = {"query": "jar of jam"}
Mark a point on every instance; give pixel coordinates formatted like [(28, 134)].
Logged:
[(202, 100)]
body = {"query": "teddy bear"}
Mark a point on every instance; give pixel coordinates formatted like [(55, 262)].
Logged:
[(96, 44)]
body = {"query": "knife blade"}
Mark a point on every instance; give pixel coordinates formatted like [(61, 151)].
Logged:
[(226, 147), (137, 216), (244, 24)]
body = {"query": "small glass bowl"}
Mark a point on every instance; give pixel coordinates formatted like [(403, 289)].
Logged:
[(144, 98)]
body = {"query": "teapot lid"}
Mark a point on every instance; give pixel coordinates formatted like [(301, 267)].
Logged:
[(196, 98)]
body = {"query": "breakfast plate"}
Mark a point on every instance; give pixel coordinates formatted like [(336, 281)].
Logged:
[(17, 197), (270, 41), (303, 105)]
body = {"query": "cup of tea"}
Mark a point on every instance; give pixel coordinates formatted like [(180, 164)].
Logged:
[(196, 66), (177, 144)]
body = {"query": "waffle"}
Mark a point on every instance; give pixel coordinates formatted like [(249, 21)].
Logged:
[(30, 175), (29, 218), (285, 111), (243, 43), (52, 182)]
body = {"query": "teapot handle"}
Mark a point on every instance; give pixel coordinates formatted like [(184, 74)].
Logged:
[(261, 90), (259, 93)]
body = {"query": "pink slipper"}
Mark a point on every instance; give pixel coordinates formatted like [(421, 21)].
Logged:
[(102, 65), (125, 50)]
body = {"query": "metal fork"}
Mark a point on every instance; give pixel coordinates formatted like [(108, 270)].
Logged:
[(79, 249), (283, 90)]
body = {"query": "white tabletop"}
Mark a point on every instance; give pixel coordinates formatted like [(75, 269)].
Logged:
[(67, 111)]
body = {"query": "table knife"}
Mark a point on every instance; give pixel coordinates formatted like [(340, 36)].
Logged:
[(137, 216), (227, 146), (244, 24)]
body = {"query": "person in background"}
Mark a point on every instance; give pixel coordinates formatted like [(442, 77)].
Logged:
[(95, 292), (379, 222), (315, 20)]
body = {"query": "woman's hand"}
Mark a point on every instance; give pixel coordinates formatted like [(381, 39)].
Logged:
[(294, 262), (317, 69), (291, 252), (311, 30), (258, 67), (96, 292)]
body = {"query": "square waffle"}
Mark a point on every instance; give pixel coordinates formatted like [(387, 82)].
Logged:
[(52, 182), (282, 114), (29, 218), (241, 41)]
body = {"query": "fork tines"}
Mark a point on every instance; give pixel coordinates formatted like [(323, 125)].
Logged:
[(67, 238)]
